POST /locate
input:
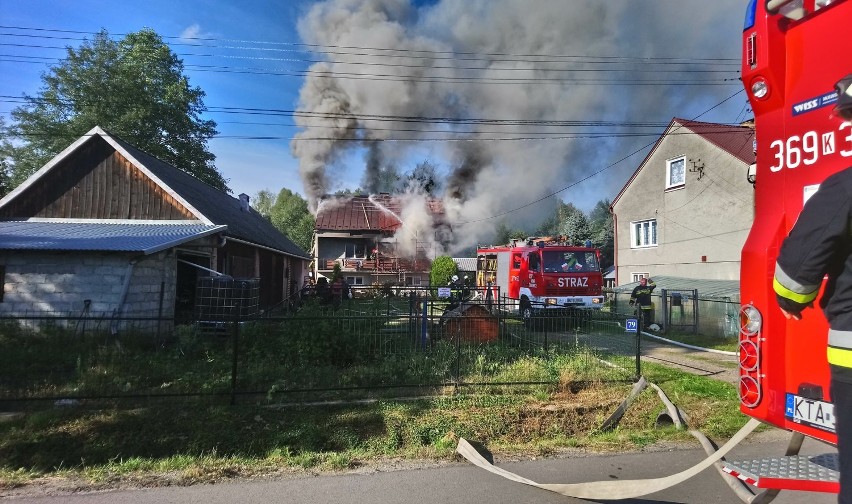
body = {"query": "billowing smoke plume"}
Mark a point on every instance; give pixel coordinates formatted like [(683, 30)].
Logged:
[(515, 85)]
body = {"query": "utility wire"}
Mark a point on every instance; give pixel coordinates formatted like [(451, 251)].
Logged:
[(454, 55), (501, 214)]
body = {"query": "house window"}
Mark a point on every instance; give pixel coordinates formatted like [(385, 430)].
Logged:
[(675, 172), (643, 233), (355, 280), (635, 277), (413, 281), (356, 251)]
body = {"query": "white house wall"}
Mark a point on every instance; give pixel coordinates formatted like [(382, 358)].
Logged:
[(701, 227)]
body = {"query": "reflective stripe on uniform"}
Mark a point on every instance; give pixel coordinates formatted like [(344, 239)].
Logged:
[(840, 339), (786, 293), (788, 288), (840, 357), (840, 348)]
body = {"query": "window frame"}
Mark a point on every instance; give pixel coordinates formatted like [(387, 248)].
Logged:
[(635, 277), (635, 233), (669, 163)]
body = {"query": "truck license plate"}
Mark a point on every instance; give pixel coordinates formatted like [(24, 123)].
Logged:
[(811, 412)]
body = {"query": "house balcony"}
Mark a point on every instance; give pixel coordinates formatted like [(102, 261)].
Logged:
[(378, 265)]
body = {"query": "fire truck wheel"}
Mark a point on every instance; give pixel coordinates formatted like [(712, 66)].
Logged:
[(527, 313)]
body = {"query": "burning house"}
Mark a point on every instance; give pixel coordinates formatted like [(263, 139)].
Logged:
[(379, 238)]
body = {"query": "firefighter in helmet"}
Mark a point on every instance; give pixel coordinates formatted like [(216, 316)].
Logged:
[(820, 244), (641, 298)]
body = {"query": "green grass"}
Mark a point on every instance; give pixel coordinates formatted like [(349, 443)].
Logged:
[(196, 442), (533, 392)]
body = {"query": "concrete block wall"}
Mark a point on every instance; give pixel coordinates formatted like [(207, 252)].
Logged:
[(58, 284)]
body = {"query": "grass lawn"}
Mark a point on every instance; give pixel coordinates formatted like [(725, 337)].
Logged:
[(195, 442)]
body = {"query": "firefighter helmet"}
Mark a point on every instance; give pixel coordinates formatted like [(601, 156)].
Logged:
[(455, 278)]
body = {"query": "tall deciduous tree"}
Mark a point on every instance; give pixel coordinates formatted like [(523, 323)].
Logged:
[(134, 88), (289, 213), (6, 163), (572, 223), (602, 231)]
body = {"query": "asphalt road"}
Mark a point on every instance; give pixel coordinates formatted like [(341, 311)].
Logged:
[(462, 483)]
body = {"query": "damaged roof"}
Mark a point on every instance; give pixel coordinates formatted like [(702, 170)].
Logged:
[(375, 213)]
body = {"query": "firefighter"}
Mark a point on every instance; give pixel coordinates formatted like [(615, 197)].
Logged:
[(641, 299), (455, 292), (820, 244)]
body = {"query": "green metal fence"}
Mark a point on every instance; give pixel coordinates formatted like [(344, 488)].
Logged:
[(378, 343)]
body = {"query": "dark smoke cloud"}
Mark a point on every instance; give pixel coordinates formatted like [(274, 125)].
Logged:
[(488, 175)]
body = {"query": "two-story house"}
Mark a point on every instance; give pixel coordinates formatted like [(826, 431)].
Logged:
[(360, 234), (687, 209)]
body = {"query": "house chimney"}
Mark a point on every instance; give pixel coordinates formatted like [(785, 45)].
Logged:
[(244, 201)]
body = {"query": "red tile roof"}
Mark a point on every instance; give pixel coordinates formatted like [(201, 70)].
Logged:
[(738, 140), (376, 213)]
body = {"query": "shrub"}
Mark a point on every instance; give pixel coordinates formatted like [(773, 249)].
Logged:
[(443, 268)]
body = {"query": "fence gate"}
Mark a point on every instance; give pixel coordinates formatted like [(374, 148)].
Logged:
[(217, 300), (680, 309)]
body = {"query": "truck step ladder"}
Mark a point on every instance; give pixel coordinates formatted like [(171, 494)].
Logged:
[(814, 473)]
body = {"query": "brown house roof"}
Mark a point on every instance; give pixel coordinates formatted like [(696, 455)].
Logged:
[(378, 213)]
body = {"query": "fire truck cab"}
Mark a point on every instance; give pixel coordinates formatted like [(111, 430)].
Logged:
[(541, 276)]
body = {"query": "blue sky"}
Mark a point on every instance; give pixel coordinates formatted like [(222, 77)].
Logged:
[(625, 67), (249, 165)]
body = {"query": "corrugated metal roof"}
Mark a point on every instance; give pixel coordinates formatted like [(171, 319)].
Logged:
[(146, 238), (377, 213), (707, 289)]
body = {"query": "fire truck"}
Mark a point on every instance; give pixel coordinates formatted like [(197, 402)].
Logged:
[(541, 276), (793, 54)]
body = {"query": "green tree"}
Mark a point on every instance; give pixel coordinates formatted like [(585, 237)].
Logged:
[(572, 223), (263, 202), (443, 268), (503, 234), (424, 177), (6, 163), (134, 88), (289, 213), (602, 232)]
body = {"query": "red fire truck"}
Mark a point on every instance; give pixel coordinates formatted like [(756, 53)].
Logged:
[(794, 51), (541, 276)]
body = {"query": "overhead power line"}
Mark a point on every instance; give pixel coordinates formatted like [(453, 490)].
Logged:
[(454, 55)]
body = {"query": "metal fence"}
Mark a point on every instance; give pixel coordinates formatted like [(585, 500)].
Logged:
[(686, 311), (378, 342)]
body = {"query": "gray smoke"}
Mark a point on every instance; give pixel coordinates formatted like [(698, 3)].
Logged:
[(476, 59)]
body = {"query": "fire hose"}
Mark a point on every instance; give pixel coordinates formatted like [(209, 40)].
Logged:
[(627, 489)]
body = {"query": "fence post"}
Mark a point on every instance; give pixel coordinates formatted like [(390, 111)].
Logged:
[(236, 338), (458, 360), (424, 333), (695, 311), (160, 311), (639, 329), (666, 314)]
